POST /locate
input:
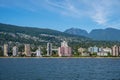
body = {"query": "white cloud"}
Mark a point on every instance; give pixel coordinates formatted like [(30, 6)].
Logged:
[(99, 17), (106, 12), (65, 7), (98, 10), (99, 13)]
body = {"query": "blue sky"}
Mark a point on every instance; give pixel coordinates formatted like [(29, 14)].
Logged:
[(61, 14)]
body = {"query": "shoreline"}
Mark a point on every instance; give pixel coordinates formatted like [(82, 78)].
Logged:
[(59, 57)]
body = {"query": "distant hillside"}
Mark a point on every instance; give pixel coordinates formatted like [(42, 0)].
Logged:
[(108, 34), (35, 35)]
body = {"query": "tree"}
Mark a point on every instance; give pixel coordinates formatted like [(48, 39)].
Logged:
[(1, 51), (44, 51)]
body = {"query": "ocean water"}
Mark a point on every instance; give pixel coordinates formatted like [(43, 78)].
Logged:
[(59, 69)]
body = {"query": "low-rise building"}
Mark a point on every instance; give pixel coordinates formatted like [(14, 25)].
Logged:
[(102, 54), (85, 54), (81, 50), (107, 50), (93, 49), (38, 53), (104, 51)]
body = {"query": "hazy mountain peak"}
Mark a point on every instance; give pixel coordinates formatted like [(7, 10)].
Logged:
[(77, 31)]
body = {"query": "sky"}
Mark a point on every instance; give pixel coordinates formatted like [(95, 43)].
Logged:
[(61, 14)]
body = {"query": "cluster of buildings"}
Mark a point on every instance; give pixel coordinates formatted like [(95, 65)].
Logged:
[(114, 51), (64, 50), (26, 52)]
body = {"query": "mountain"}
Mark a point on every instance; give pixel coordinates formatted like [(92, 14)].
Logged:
[(105, 34), (108, 34), (77, 31), (38, 36)]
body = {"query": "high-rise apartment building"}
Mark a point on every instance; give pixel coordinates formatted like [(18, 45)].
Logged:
[(115, 50), (15, 51), (49, 49), (5, 49), (27, 50), (64, 50)]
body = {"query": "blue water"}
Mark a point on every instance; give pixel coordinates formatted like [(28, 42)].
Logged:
[(59, 69)]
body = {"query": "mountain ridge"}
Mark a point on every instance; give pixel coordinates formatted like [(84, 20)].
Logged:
[(97, 34)]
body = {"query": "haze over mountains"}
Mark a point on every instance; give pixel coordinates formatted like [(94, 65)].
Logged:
[(108, 34)]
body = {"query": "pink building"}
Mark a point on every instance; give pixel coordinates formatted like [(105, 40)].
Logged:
[(64, 50)]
